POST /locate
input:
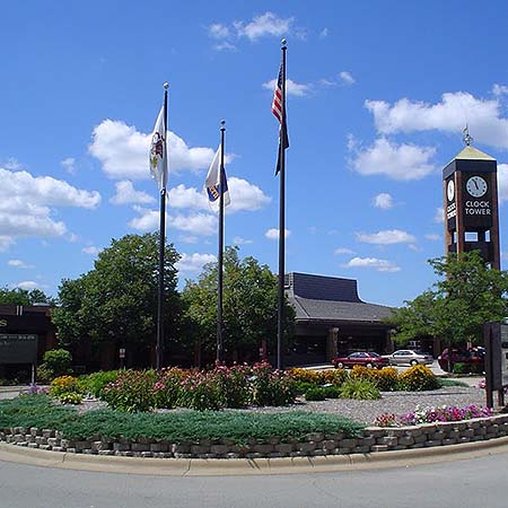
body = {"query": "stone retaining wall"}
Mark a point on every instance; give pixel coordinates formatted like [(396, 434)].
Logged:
[(371, 440)]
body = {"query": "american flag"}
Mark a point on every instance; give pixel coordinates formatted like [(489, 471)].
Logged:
[(277, 98), (279, 111)]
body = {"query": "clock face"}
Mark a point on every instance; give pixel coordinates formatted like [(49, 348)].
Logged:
[(450, 190), (476, 186)]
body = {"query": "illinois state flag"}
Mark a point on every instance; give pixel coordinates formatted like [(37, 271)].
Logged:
[(212, 182), (158, 152)]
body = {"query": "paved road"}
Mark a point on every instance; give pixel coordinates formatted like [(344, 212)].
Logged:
[(472, 483)]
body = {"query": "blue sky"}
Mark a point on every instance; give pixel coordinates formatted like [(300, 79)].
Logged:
[(379, 93)]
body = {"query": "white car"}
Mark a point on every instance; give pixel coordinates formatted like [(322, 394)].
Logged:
[(409, 357)]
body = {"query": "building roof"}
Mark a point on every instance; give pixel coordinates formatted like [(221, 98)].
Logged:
[(471, 153), (331, 299)]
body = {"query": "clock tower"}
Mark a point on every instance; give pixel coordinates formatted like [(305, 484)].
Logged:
[(471, 204)]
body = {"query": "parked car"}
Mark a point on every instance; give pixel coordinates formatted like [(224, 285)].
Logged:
[(474, 359), (409, 357), (365, 358)]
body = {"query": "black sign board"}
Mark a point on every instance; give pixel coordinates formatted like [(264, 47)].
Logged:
[(18, 348), (496, 360)]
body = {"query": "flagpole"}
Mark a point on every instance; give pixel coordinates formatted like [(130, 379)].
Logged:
[(282, 219), (220, 341), (162, 243)]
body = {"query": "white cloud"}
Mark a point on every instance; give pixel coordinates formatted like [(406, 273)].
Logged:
[(5, 242), (484, 116), (28, 285), (502, 182), (27, 205), (18, 263), (273, 234), (91, 250), (194, 262), (433, 237), (387, 237), (245, 196), (238, 240), (383, 201), (123, 151), (347, 78), (343, 250), (381, 265), (43, 190), (439, 215), (219, 31), (324, 33), (399, 162), (500, 89), (292, 87), (197, 224), (126, 194), (69, 164), (265, 25), (187, 197)]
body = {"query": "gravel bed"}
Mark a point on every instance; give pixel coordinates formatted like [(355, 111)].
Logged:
[(364, 411)]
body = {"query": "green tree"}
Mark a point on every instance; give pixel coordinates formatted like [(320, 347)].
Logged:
[(467, 294), (117, 300), (20, 296), (249, 308)]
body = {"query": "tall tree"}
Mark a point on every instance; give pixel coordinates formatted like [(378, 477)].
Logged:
[(467, 294), (20, 296), (116, 301), (250, 307)]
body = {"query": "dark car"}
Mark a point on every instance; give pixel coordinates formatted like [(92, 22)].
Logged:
[(365, 358), (473, 359)]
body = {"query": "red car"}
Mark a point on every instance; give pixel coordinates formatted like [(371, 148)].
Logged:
[(365, 358), (473, 358)]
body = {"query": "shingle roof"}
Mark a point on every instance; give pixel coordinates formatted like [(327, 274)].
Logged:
[(331, 299)]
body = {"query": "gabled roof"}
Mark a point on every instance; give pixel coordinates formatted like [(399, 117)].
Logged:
[(331, 299)]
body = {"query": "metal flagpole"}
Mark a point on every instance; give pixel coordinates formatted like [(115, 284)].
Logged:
[(282, 216), (162, 243), (220, 342)]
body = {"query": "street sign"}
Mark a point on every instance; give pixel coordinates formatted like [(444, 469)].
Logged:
[(18, 348)]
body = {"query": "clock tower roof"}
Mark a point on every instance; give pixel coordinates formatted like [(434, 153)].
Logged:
[(471, 153)]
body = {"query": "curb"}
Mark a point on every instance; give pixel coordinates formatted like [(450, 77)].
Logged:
[(243, 467)]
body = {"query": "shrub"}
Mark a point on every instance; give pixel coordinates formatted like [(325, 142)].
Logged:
[(361, 372), (95, 383), (305, 376), (201, 391), (71, 398), (271, 388), (386, 379), (174, 427), (335, 377), (418, 378), (132, 391), (315, 393), (332, 391), (168, 387), (301, 387), (461, 368), (62, 385), (57, 361), (361, 389), (233, 385)]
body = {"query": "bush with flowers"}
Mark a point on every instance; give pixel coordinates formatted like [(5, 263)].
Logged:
[(432, 415), (63, 384), (418, 378), (270, 387), (132, 391)]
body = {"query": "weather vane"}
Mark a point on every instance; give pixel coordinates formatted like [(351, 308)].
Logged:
[(468, 139)]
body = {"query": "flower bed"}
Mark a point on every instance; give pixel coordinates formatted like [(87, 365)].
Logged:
[(33, 422)]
